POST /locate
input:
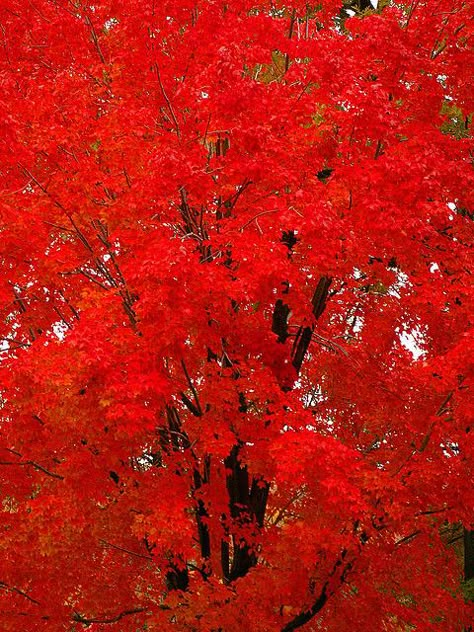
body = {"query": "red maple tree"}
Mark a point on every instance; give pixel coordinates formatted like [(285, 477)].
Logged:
[(236, 293)]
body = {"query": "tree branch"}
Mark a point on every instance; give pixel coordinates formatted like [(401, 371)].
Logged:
[(37, 466), (168, 102), (195, 409), (78, 618), (407, 538), (119, 548), (306, 615), (19, 592)]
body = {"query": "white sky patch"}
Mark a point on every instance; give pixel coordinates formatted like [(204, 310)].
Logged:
[(59, 328), (109, 25), (413, 341), (357, 324), (401, 282)]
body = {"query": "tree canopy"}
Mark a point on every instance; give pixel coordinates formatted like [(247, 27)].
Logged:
[(236, 293)]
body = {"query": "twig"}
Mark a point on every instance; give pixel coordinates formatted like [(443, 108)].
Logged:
[(59, 227), (233, 200), (18, 343), (192, 387), (66, 322), (168, 102), (37, 466), (281, 513), (95, 39), (430, 512), (275, 210), (59, 205), (326, 592), (290, 35), (199, 570), (413, 6), (78, 618), (19, 592), (93, 279), (38, 12), (407, 538), (119, 548), (441, 410)]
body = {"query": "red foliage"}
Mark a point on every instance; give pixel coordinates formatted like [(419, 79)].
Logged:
[(236, 294)]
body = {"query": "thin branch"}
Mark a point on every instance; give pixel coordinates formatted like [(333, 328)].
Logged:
[(378, 149), (18, 343), (202, 572), (2, 28), (37, 466), (93, 279), (13, 452), (59, 205), (78, 618), (407, 538), (413, 6), (233, 200), (19, 592), (74, 311), (189, 405), (290, 35), (330, 344), (168, 102), (103, 269), (282, 512), (59, 227), (433, 511), (193, 390), (275, 210), (43, 17), (95, 39), (441, 410), (326, 592), (66, 322), (119, 548)]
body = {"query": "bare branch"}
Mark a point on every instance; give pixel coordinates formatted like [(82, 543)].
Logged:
[(95, 39), (6, 586), (275, 210), (37, 466), (86, 621), (306, 615), (168, 102), (119, 548), (407, 538), (196, 410)]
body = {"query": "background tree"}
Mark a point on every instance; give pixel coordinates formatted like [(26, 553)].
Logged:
[(236, 298)]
